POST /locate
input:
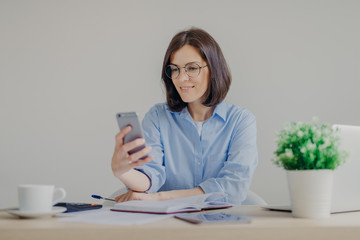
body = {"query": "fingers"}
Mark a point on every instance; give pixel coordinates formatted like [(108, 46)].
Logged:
[(119, 198), (140, 154), (140, 162), (131, 195), (120, 146), (133, 144), (119, 138), (122, 162), (124, 197)]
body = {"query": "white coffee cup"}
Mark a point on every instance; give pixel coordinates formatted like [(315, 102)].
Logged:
[(38, 198)]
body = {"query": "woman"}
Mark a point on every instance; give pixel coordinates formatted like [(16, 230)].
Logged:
[(197, 143)]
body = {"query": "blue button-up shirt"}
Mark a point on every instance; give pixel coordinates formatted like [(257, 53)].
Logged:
[(221, 159)]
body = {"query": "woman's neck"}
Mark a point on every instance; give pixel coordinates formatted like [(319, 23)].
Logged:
[(199, 112)]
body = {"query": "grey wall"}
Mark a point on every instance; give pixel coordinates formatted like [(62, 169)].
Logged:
[(66, 68)]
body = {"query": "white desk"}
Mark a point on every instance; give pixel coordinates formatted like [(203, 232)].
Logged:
[(265, 225)]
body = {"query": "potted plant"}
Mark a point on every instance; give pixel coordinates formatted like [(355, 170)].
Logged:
[(309, 152)]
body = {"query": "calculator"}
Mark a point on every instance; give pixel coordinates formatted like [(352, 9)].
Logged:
[(75, 207)]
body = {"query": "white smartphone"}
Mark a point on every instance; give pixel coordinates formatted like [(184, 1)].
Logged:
[(125, 119), (212, 217)]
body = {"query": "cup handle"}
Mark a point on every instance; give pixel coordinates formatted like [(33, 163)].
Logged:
[(63, 195)]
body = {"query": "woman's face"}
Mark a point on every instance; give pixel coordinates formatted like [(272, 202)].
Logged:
[(191, 90)]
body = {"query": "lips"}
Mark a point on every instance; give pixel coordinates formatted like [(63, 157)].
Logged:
[(186, 87)]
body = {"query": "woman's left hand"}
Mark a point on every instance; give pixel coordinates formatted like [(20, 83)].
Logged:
[(131, 195), (156, 196)]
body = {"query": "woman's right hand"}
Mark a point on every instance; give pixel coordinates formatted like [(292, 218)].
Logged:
[(122, 162)]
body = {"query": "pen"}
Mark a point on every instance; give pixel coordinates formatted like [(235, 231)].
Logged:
[(100, 197)]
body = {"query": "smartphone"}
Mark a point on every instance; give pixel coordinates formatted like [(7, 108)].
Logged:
[(125, 119), (213, 217)]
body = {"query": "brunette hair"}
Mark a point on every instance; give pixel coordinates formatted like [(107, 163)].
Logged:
[(210, 51)]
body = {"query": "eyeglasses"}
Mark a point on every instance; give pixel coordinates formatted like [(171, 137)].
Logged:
[(191, 69)]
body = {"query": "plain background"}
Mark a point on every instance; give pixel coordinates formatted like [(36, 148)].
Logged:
[(66, 68)]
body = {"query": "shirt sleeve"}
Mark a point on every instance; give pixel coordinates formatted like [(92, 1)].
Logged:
[(242, 158), (155, 169)]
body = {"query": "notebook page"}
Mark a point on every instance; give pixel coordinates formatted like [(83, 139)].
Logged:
[(196, 202)]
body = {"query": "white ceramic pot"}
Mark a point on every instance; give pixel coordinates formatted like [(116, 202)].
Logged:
[(310, 192)]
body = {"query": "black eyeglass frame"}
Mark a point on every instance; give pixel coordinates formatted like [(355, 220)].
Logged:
[(179, 68)]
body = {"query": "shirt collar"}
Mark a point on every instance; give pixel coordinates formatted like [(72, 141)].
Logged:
[(184, 113), (220, 110)]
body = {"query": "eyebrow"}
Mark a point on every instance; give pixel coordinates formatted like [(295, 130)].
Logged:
[(185, 64)]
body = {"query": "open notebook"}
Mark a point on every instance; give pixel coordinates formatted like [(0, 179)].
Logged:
[(187, 204), (346, 188)]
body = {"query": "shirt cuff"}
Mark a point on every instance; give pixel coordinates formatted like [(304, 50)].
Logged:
[(143, 172), (154, 185), (210, 186)]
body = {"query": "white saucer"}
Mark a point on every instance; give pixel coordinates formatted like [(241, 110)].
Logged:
[(21, 214)]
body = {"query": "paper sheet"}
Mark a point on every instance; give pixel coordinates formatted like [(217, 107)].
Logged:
[(105, 216)]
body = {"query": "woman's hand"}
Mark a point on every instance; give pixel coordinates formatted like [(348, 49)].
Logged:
[(122, 162), (131, 195), (157, 196)]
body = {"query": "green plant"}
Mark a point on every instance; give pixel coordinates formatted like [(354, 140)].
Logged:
[(302, 146)]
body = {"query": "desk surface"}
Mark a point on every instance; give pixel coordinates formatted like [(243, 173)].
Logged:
[(265, 225)]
